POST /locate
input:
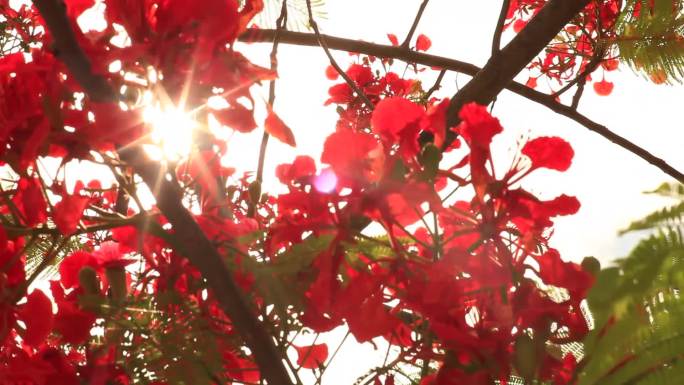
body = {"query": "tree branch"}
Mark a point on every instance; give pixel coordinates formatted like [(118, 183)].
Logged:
[(503, 66), (281, 23), (496, 40), (419, 15), (378, 50), (324, 44), (197, 248)]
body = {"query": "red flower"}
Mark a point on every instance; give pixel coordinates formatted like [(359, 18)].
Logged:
[(554, 271), (478, 127), (76, 7), (610, 64), (355, 156), (331, 73), (110, 256), (30, 201), (311, 357), (392, 115), (518, 25), (397, 121), (603, 88), (371, 319), (423, 43), (549, 152), (73, 323), (236, 117), (393, 39), (278, 129), (68, 212), (38, 318), (303, 166), (72, 265)]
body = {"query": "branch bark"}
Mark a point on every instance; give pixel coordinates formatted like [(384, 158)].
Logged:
[(197, 247), (498, 31), (515, 56), (336, 43)]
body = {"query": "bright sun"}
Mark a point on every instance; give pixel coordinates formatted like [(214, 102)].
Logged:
[(172, 132)]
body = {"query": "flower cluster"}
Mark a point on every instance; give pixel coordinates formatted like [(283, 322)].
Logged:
[(582, 43), (461, 280)]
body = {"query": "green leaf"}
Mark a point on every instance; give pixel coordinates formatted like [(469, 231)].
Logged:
[(650, 41), (297, 14)]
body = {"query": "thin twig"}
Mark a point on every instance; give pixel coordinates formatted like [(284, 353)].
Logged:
[(387, 51), (322, 41), (281, 23), (578, 94), (409, 36), (437, 84), (582, 77), (496, 40)]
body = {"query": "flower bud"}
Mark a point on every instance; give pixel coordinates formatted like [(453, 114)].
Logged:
[(254, 191), (430, 160), (591, 265), (87, 278), (117, 283), (526, 357)]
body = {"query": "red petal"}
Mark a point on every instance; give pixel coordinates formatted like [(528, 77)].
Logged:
[(610, 64), (249, 10), (331, 73), (478, 126), (76, 7), (603, 88), (278, 129), (435, 121), (31, 202), (302, 166), (554, 271), (37, 315), (561, 205), (311, 357), (73, 323), (531, 82), (68, 212), (549, 152), (237, 117), (371, 320), (393, 39), (354, 155), (423, 43), (392, 115), (519, 25), (72, 264)]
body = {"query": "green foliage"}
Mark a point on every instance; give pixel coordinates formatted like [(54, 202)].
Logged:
[(280, 280), (668, 217), (651, 38), (297, 15), (179, 346), (37, 252), (638, 310)]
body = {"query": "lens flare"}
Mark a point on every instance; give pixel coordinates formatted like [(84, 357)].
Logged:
[(172, 131)]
